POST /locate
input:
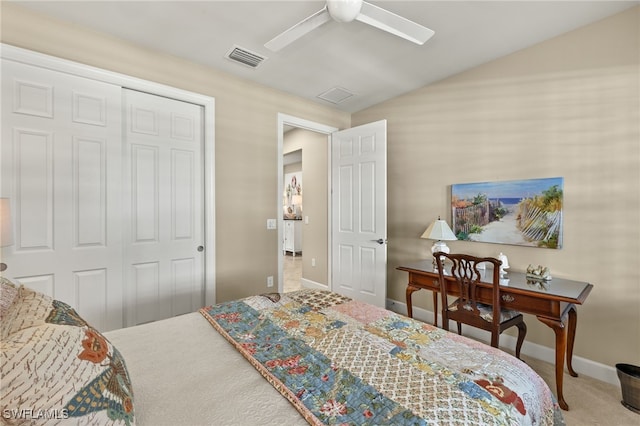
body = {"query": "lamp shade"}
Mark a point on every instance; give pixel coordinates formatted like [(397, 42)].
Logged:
[(6, 230), (439, 230)]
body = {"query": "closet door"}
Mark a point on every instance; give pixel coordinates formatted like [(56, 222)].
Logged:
[(61, 168), (164, 202)]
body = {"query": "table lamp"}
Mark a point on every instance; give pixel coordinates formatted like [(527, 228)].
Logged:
[(439, 231)]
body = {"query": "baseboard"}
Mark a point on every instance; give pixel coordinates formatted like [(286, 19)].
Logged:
[(602, 372), (312, 284)]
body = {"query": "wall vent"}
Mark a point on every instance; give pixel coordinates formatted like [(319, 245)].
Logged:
[(335, 95), (245, 57)]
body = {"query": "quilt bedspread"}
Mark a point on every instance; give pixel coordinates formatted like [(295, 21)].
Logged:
[(340, 361)]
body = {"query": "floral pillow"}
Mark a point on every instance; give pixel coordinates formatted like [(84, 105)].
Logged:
[(56, 367)]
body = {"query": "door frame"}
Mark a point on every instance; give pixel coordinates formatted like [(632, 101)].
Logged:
[(301, 123), (29, 57)]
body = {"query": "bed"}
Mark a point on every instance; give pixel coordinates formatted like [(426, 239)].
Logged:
[(306, 357)]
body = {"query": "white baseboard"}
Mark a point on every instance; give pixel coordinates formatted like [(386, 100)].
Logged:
[(602, 372), (312, 284)]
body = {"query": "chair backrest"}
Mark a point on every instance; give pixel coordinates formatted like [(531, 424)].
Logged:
[(466, 275)]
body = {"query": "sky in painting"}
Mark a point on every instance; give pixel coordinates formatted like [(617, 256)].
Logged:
[(506, 189)]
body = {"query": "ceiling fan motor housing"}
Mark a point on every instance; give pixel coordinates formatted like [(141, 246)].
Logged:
[(344, 10)]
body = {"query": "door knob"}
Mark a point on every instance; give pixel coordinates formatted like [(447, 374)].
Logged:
[(380, 241), (200, 248)]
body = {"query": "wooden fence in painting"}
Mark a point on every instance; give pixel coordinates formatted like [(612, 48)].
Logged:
[(537, 224), (466, 218)]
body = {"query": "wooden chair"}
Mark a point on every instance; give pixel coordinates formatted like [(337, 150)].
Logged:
[(463, 280)]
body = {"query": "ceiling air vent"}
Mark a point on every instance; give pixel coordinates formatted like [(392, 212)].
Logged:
[(335, 95), (245, 57)]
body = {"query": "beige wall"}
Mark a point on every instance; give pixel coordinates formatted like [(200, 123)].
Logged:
[(246, 137), (568, 107), (315, 151)]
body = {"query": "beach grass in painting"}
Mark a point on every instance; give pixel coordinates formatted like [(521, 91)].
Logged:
[(520, 212)]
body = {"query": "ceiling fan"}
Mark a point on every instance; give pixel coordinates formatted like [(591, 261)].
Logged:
[(347, 11)]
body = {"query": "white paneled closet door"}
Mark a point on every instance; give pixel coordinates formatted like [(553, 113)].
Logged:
[(61, 168), (163, 172)]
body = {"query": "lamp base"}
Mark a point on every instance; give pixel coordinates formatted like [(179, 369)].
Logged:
[(438, 246)]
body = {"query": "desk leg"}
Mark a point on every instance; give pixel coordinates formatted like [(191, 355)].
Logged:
[(571, 331), (410, 290), (561, 343)]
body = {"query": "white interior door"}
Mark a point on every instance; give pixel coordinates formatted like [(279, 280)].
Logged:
[(61, 150), (359, 212), (164, 235)]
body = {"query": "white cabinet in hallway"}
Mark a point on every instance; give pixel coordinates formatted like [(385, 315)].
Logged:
[(292, 236)]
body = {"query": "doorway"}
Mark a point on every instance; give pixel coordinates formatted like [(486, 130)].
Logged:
[(292, 208), (353, 219), (311, 264)]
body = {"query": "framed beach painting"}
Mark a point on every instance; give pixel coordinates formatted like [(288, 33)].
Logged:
[(519, 212)]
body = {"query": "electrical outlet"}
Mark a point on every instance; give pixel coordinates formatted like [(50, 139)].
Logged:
[(270, 281), (271, 224)]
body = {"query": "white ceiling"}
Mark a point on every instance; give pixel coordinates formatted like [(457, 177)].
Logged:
[(368, 62)]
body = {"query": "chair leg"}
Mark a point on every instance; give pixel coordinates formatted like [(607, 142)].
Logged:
[(522, 332), (445, 321), (495, 339)]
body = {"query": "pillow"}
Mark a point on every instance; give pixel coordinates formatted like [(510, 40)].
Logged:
[(8, 293), (29, 308), (55, 366)]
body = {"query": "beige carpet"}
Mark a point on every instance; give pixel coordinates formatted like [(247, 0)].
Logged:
[(591, 402)]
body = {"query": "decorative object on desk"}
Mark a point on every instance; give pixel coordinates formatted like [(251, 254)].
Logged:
[(522, 212), (538, 273), (505, 264), (439, 231), (6, 230)]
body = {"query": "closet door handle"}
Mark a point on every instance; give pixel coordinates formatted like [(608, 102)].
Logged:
[(200, 248), (379, 241)]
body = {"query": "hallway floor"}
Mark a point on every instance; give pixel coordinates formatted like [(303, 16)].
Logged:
[(292, 272)]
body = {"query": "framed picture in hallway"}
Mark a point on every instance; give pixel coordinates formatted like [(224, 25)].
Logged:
[(520, 212)]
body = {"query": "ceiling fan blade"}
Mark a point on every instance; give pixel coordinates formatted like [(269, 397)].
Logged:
[(298, 30), (394, 24)]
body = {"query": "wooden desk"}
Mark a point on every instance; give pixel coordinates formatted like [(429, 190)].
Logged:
[(552, 302)]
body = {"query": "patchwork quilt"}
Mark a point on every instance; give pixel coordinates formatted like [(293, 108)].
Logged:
[(340, 361)]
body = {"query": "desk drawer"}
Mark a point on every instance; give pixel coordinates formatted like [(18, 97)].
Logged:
[(525, 303), (511, 298)]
